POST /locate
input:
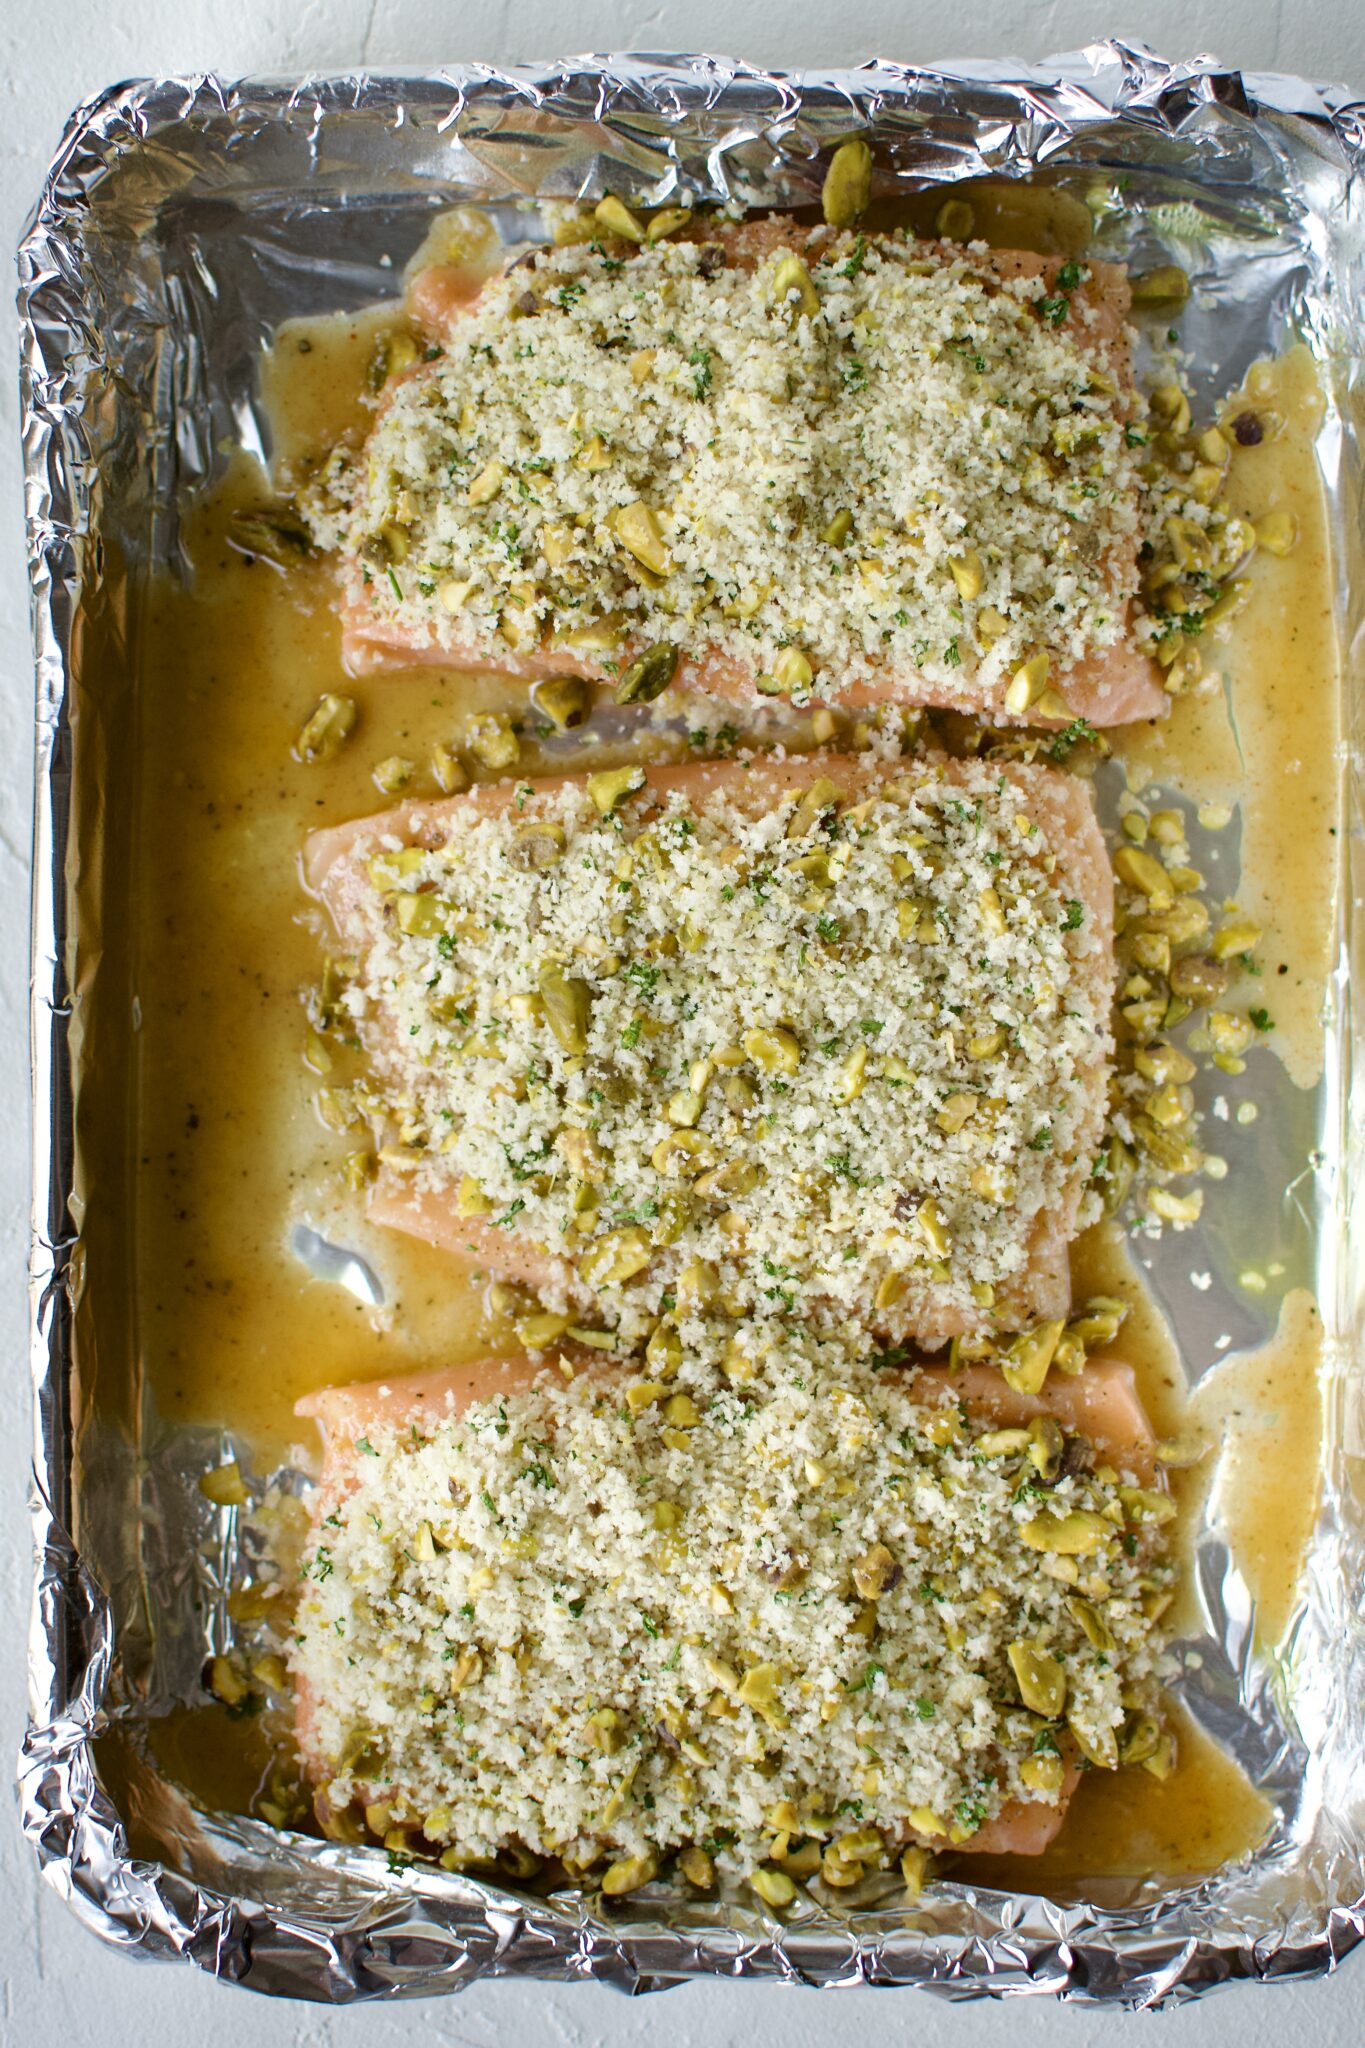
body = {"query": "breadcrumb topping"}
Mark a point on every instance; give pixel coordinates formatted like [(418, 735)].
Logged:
[(841, 1053), (891, 457), (581, 1621)]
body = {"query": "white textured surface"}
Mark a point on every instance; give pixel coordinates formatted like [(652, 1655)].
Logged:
[(57, 1985)]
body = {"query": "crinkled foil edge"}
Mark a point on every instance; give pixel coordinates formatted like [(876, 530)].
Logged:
[(329, 1923)]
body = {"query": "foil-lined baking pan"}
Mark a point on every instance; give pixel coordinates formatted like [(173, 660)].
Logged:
[(181, 220)]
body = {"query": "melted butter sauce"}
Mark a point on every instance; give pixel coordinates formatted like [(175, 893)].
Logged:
[(1262, 731), (1263, 1409), (232, 1329)]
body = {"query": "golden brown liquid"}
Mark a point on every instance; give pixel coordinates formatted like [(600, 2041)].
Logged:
[(1263, 1409), (230, 1327), (1267, 738)]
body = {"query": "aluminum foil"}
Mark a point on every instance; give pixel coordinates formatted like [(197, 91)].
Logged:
[(181, 220)]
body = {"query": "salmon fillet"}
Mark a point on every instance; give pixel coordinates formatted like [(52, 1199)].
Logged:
[(427, 1202), (1111, 682), (1101, 1406)]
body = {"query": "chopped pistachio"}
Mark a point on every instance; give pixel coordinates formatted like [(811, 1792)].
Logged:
[(758, 1687), (1144, 872), (1200, 979), (968, 573), (1142, 1505), (536, 845), (557, 544), (722, 1675), (1235, 594), (992, 912), (1171, 408), (818, 797), (539, 1330), (637, 528), (1228, 1035), (317, 1053), (1099, 1747), (628, 1875), (726, 1183), (1162, 1760), (1140, 1739), (1238, 935), (851, 1075), (987, 1044), (331, 722), (618, 1256), (1046, 1448), (1002, 1443), (667, 222), (1097, 1630), (358, 1169), (1168, 1150), (609, 786), (1040, 1678), (776, 1052), (1025, 1361), (227, 1682), (774, 1887), (563, 700), (1100, 1321), (648, 675), (663, 1352), (793, 286), (697, 1867), (956, 1111), (486, 485), (792, 671), (1172, 1106), (614, 217), (1043, 1772), (593, 456), (491, 740), (420, 914), (1164, 1064), (566, 1000), (933, 1227), (1076, 1534), (683, 1153), (875, 1572), (225, 1486), (848, 183), (1027, 684), (448, 770)]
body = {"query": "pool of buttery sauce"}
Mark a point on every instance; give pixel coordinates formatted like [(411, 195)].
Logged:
[(231, 1327)]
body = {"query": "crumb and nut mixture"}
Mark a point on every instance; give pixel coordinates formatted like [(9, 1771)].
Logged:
[(840, 1052), (894, 454), (823, 1603)]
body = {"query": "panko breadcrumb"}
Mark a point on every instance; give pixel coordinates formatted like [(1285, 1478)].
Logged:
[(621, 1616)]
